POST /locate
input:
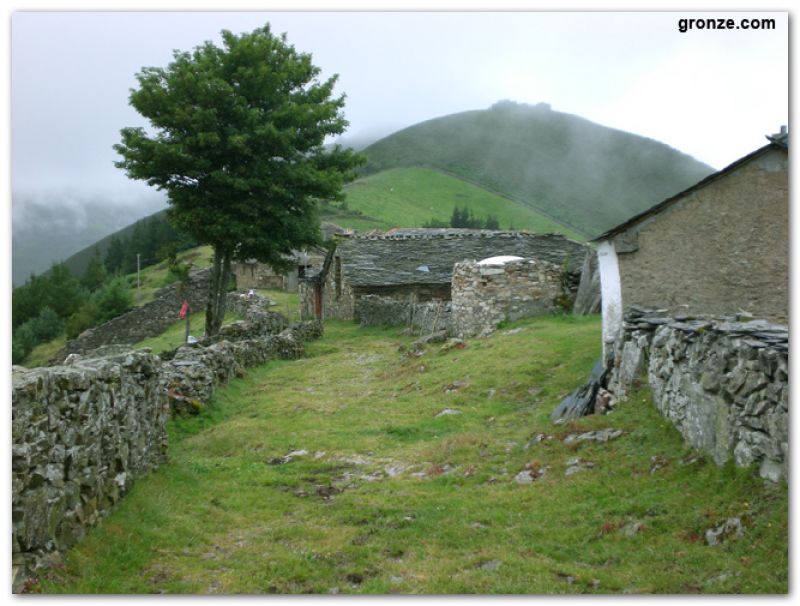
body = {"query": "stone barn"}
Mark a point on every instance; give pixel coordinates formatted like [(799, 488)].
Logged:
[(416, 265), (718, 247), (252, 274)]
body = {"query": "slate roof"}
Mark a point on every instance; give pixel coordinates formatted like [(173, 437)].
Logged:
[(779, 141), (427, 257)]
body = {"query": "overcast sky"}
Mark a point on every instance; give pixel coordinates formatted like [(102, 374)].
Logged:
[(711, 94)]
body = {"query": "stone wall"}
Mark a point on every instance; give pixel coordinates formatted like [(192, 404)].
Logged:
[(250, 274), (721, 249), (257, 319), (149, 320), (194, 372), (84, 431), (723, 382), (424, 318), (81, 434), (485, 295)]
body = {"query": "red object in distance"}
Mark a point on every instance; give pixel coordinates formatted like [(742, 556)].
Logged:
[(184, 310)]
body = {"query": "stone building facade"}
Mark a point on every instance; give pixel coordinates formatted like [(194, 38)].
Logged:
[(489, 292), (416, 266), (702, 283), (252, 274), (719, 247)]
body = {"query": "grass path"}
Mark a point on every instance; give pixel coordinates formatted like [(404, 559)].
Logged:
[(387, 497)]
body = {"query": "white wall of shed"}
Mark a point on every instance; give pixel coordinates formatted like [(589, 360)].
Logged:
[(611, 292)]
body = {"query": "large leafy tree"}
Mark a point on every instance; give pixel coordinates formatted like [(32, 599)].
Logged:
[(237, 142)]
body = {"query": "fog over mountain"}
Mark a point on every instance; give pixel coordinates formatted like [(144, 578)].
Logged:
[(49, 228), (712, 95)]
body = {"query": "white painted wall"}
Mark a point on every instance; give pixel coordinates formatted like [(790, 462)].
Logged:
[(611, 291)]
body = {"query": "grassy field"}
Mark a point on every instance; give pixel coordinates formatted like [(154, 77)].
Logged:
[(410, 197), (286, 303), (174, 336), (42, 353), (387, 495), (158, 276)]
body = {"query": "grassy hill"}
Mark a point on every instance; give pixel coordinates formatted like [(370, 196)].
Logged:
[(409, 197), (392, 497), (579, 173)]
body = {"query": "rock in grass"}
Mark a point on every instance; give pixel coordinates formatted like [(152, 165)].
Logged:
[(632, 529), (731, 527), (581, 402)]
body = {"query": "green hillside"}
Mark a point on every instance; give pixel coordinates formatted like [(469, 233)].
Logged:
[(77, 262), (409, 197), (577, 172)]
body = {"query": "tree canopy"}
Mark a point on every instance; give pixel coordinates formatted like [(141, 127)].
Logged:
[(237, 141)]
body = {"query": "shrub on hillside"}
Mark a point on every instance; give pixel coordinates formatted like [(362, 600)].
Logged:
[(23, 342), (47, 325), (84, 318), (44, 327), (113, 300)]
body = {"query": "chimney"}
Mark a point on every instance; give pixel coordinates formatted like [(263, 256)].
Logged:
[(781, 138)]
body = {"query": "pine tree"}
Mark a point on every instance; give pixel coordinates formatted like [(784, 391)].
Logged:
[(96, 273), (63, 292), (115, 255)]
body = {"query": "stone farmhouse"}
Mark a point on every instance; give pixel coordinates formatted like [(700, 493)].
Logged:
[(718, 247), (252, 274), (416, 265)]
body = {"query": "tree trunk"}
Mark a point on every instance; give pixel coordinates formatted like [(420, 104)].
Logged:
[(218, 292), (213, 288)]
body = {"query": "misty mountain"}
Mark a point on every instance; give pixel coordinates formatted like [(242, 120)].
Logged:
[(580, 174), (587, 176), (47, 230)]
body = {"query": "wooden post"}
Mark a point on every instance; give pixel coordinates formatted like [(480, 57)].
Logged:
[(186, 337)]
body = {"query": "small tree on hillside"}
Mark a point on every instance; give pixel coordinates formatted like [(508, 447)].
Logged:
[(96, 273), (238, 145), (115, 255)]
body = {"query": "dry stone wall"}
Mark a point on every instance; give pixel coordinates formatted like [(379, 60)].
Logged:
[(723, 382), (84, 431), (149, 320), (485, 295), (258, 320), (81, 434)]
